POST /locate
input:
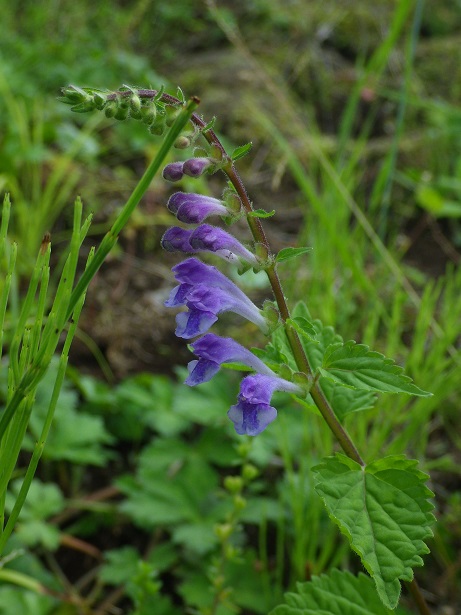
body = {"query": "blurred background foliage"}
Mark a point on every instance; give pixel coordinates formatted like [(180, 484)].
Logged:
[(354, 112)]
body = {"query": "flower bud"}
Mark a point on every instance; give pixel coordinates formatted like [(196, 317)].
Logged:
[(223, 530), (173, 172), (99, 100), (182, 142), (194, 167), (111, 108), (135, 107), (171, 113), (249, 472), (239, 502), (233, 484), (148, 113), (158, 126)]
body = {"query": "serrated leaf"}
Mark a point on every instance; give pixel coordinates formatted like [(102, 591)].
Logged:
[(304, 327), (287, 253), (355, 366), (241, 151), (260, 213), (384, 511), (338, 593)]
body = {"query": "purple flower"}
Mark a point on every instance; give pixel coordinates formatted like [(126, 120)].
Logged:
[(177, 239), (194, 167), (206, 238), (195, 208), (207, 292), (173, 172), (253, 412), (212, 351)]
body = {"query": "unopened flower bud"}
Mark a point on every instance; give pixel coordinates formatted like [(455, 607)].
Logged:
[(233, 484), (99, 100), (171, 113), (239, 502), (158, 126), (223, 530), (148, 114), (182, 142), (249, 472), (194, 167), (121, 112), (173, 172), (111, 108), (135, 107)]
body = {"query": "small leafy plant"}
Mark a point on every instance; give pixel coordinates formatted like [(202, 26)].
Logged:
[(381, 505)]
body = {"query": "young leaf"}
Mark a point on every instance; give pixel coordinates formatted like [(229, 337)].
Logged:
[(334, 594), (241, 151), (261, 213), (288, 253), (384, 511), (355, 366)]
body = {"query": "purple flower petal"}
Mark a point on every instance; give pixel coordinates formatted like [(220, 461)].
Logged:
[(194, 322), (173, 172), (214, 239), (195, 208), (194, 167), (177, 239), (253, 412), (212, 351), (203, 288)]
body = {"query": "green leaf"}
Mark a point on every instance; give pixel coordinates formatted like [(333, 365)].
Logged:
[(338, 593), (260, 213), (304, 327), (355, 366), (342, 400), (288, 253), (241, 151), (384, 511)]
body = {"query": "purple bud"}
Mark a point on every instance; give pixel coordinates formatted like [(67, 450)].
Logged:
[(253, 412), (176, 239), (195, 208), (173, 172), (194, 167), (212, 351), (214, 239)]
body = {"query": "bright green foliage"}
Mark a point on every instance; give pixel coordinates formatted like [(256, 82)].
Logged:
[(316, 339), (84, 445), (289, 253), (43, 501), (241, 151), (384, 511), (338, 593), (354, 365)]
